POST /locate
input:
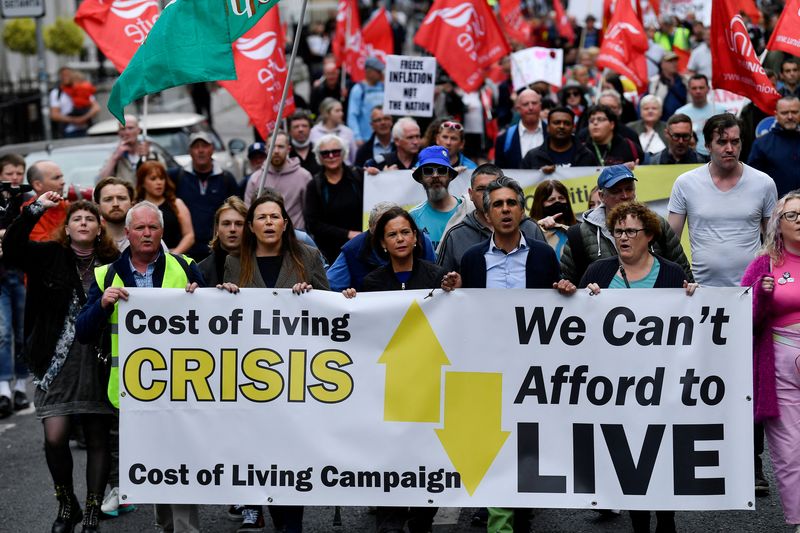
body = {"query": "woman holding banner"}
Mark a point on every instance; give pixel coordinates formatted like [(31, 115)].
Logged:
[(634, 226), (69, 378), (776, 345), (397, 239), (272, 257)]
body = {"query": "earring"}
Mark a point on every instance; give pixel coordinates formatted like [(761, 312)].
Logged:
[(385, 250)]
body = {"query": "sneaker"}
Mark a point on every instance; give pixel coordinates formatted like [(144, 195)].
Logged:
[(252, 520), (111, 507), (5, 407), (762, 485), (235, 512), (20, 401)]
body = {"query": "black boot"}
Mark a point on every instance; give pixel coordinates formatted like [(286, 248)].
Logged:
[(69, 510), (91, 519)]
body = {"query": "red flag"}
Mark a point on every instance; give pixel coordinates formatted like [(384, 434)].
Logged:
[(118, 27), (736, 67), (563, 25), (513, 23), (749, 8), (261, 71), (784, 38), (465, 38), (624, 45), (378, 36), (348, 47)]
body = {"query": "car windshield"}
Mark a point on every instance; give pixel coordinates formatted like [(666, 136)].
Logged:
[(176, 141)]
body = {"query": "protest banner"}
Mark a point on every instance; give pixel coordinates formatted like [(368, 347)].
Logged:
[(537, 64), (629, 399), (653, 187), (409, 83)]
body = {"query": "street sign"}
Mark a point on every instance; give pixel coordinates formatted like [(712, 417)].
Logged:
[(12, 9)]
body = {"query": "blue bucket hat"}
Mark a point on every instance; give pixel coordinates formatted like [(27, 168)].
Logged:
[(612, 175), (434, 155)]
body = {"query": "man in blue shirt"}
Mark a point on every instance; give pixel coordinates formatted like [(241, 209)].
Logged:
[(364, 96), (435, 174)]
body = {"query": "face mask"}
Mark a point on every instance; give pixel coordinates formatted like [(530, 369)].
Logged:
[(556, 208)]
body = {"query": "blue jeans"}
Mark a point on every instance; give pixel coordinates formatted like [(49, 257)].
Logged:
[(12, 310)]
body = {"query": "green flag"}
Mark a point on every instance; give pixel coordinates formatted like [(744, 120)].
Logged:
[(189, 43)]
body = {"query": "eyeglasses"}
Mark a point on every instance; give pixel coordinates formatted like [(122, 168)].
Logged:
[(598, 120), (631, 233), (330, 154), (681, 136), (573, 93), (791, 216), (451, 126), (430, 171)]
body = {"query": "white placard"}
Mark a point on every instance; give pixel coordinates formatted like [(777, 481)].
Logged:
[(537, 64), (10, 9), (515, 398), (409, 83)]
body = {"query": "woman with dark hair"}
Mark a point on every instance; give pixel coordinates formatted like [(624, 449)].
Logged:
[(397, 238), (271, 257), (573, 97), (153, 185), (228, 230), (608, 147), (334, 198), (69, 378), (553, 211), (634, 227)]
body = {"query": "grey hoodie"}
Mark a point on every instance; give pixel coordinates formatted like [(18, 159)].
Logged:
[(291, 181)]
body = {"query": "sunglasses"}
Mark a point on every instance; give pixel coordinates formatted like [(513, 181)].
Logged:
[(330, 154), (431, 171), (573, 93), (451, 126)]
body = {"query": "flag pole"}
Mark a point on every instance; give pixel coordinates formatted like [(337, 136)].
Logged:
[(144, 116), (295, 45)]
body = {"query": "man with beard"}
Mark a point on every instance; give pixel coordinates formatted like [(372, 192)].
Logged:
[(114, 197), (299, 125), (435, 174), (561, 148), (678, 150), (285, 175)]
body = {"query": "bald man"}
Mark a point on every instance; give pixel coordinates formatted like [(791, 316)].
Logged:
[(130, 152), (518, 139)]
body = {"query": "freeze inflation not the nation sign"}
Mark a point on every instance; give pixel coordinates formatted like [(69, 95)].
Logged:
[(515, 398), (409, 84)]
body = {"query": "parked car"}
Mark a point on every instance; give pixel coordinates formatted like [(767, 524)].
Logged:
[(172, 131), (79, 159)]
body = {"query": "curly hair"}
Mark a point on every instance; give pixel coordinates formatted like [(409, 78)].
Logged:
[(648, 218)]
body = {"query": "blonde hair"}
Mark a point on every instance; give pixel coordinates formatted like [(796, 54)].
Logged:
[(773, 240)]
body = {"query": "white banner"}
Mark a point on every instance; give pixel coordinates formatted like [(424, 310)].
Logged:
[(409, 84), (537, 64), (630, 399)]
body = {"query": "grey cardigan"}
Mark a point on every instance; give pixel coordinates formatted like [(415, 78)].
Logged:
[(288, 275)]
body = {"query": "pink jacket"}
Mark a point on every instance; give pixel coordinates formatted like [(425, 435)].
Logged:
[(765, 399)]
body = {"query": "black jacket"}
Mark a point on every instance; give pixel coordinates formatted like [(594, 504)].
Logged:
[(542, 156), (52, 280), (331, 211), (424, 275), (670, 275)]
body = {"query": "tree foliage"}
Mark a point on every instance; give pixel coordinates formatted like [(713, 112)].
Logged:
[(64, 37), (19, 35)]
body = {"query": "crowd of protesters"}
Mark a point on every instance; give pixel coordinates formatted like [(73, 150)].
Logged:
[(302, 210)]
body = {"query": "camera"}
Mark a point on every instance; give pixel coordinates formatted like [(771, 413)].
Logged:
[(11, 198)]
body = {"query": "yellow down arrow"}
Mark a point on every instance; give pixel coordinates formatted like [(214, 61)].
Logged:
[(471, 435), (413, 360)]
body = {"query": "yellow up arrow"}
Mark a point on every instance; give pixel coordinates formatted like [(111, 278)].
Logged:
[(471, 435), (413, 360)]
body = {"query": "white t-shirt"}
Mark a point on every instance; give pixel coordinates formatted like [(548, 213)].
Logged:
[(61, 100), (724, 227), (528, 140)]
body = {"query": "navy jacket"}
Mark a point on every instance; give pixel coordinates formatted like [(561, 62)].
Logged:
[(778, 154), (541, 267), (507, 150)]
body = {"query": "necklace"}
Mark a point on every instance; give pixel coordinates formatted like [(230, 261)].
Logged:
[(89, 264)]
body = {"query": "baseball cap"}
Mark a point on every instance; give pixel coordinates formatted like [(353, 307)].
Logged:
[(433, 155), (200, 136), (670, 56), (612, 175), (374, 63), (256, 148)]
